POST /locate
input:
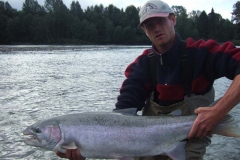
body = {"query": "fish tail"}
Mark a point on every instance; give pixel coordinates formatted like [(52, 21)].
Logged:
[(228, 127)]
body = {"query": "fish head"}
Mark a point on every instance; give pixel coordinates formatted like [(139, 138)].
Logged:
[(45, 134)]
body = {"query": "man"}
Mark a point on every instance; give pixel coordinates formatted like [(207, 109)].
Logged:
[(168, 91)]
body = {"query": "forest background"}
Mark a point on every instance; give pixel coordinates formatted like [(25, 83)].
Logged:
[(54, 23)]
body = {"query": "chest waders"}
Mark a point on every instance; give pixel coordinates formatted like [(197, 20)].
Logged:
[(196, 147)]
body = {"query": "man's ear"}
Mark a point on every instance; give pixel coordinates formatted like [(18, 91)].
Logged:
[(173, 18)]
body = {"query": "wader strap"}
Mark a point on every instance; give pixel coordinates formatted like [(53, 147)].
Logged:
[(152, 67), (186, 70)]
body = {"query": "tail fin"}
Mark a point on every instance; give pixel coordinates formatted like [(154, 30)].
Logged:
[(228, 127)]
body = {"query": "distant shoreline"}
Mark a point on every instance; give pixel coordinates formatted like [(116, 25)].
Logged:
[(10, 48)]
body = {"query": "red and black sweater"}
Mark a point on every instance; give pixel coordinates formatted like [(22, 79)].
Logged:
[(209, 60)]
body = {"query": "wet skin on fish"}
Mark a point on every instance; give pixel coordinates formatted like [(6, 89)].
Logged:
[(106, 135)]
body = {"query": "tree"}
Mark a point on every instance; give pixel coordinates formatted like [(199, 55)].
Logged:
[(55, 23), (117, 35), (202, 24), (75, 28), (214, 24), (7, 10), (236, 18), (8, 23), (129, 35), (109, 29), (131, 17), (193, 21), (226, 31), (182, 21), (194, 15), (76, 10), (27, 28), (3, 28), (32, 7), (179, 11), (89, 32), (94, 15), (57, 12), (236, 12), (114, 14), (39, 29)]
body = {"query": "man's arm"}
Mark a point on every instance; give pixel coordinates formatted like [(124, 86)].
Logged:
[(209, 117)]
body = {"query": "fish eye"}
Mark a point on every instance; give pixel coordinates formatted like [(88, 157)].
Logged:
[(38, 130)]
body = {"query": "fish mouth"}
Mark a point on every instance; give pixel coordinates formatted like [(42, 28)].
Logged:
[(31, 139)]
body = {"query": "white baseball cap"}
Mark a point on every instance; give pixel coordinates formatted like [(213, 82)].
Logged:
[(154, 8)]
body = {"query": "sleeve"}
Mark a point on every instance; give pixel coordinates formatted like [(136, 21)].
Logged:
[(137, 85), (215, 60)]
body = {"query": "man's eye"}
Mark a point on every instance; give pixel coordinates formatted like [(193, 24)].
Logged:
[(160, 20), (149, 25)]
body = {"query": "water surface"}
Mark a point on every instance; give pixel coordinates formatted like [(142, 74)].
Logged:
[(39, 82)]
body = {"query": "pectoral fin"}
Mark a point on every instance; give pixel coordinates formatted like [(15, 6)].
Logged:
[(178, 152), (69, 146), (127, 111)]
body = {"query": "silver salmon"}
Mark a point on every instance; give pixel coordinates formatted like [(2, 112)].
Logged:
[(106, 135)]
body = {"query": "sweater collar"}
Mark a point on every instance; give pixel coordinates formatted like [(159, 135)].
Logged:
[(172, 55)]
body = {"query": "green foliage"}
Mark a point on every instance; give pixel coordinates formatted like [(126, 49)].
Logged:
[(202, 25), (32, 7), (117, 35), (182, 21), (236, 18), (131, 17), (236, 42), (109, 29), (236, 12), (55, 23), (76, 9), (128, 36)]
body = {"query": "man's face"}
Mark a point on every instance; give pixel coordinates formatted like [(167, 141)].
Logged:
[(160, 30)]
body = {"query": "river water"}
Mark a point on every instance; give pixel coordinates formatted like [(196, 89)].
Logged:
[(39, 82)]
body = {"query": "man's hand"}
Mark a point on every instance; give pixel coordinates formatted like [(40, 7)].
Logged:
[(72, 154), (206, 121)]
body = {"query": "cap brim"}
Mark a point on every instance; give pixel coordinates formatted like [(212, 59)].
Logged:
[(154, 15)]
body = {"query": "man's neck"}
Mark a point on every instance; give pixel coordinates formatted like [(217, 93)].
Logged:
[(165, 47)]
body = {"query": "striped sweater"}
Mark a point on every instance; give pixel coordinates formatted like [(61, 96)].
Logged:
[(208, 59)]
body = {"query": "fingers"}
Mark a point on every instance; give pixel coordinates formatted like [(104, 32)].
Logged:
[(72, 154), (196, 111), (79, 156), (69, 153), (193, 130), (199, 132), (202, 126), (61, 155)]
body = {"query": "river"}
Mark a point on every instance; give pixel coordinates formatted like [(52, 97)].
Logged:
[(39, 82)]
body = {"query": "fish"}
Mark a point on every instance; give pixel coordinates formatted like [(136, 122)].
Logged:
[(119, 135)]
